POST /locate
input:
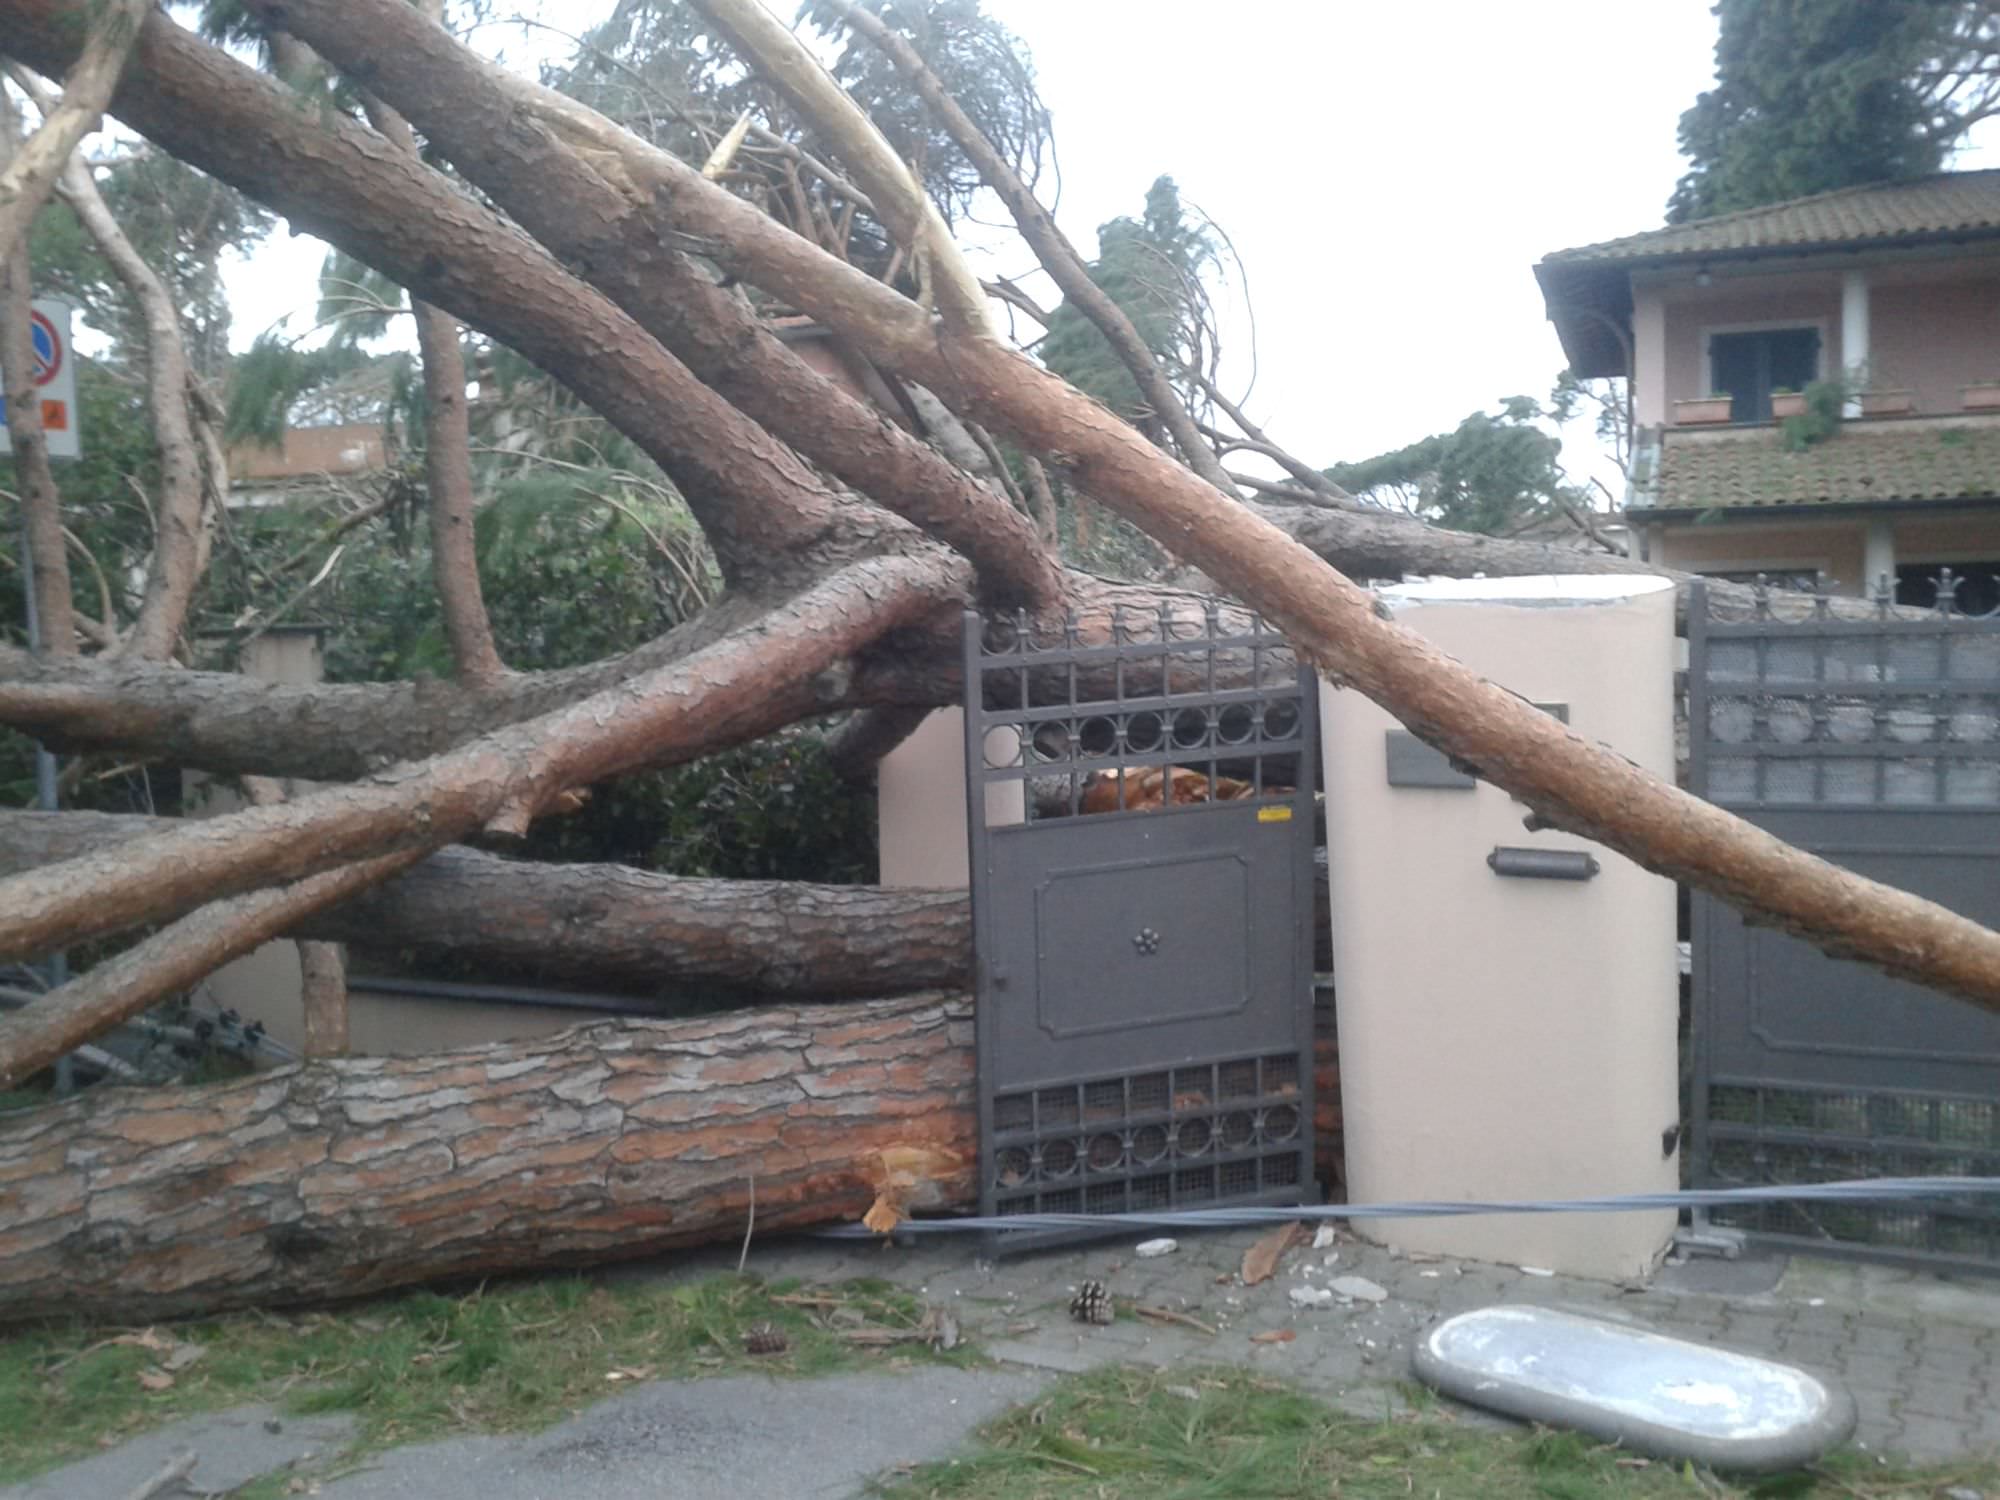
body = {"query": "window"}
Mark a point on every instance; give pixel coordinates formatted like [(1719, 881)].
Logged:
[(1749, 366), (1799, 580), (1978, 591)]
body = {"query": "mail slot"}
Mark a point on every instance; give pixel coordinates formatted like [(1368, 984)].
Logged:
[(1542, 864)]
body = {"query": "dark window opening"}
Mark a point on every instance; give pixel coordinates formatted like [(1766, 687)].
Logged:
[(1800, 580), (1978, 585), (1747, 367)]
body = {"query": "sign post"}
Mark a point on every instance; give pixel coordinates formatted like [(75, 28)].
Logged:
[(55, 386), (55, 379)]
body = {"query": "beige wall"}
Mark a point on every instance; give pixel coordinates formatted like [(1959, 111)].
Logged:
[(1692, 313), (1507, 1038), (1933, 326), (1834, 545), (920, 806), (1952, 536), (351, 448), (1934, 338)]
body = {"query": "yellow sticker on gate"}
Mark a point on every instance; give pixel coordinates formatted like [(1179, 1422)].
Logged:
[(1274, 815)]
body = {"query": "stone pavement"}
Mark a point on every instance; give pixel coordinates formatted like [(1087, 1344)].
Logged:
[(1920, 1353)]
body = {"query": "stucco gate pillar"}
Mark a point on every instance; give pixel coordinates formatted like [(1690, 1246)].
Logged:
[(1507, 1000)]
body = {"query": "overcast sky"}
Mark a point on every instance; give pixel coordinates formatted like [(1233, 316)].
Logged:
[(1388, 174)]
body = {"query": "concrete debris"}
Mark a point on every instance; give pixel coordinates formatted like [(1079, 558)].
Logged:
[(1310, 1296), (1324, 1236), (1358, 1289), (1148, 1249)]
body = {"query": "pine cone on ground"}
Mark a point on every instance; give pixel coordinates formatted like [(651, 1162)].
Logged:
[(762, 1338), (1091, 1304)]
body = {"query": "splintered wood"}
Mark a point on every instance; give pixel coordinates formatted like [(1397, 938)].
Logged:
[(908, 1177)]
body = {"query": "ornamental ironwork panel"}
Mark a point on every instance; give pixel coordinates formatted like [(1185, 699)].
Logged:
[(1875, 743), (1143, 924)]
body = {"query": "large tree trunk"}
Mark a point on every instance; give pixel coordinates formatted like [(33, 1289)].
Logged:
[(606, 924), (335, 1179), (619, 928)]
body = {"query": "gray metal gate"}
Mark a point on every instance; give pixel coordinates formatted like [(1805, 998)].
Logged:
[(1875, 744), (1144, 935)]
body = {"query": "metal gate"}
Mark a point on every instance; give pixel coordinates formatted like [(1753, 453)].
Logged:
[(1876, 744), (1144, 934)]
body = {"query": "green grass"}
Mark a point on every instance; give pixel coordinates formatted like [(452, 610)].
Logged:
[(1125, 1434), (504, 1358)]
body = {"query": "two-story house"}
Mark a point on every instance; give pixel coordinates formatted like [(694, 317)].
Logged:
[(1720, 325)]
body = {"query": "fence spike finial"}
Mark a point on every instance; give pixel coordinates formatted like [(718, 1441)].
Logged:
[(1947, 591)]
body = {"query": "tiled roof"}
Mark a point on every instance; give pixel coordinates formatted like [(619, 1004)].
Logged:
[(1864, 463), (1943, 205)]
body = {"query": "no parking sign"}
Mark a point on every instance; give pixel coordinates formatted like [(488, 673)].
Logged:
[(55, 379)]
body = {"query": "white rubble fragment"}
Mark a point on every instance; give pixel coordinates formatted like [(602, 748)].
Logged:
[(1323, 1236), (1310, 1296), (1535, 1271), (1149, 1249), (1358, 1289)]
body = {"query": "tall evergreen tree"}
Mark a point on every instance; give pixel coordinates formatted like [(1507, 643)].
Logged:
[(1813, 95), (1152, 267)]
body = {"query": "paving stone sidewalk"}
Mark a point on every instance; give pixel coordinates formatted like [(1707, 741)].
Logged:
[(1920, 1353)]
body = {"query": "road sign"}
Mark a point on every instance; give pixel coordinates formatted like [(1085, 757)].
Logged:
[(55, 379)]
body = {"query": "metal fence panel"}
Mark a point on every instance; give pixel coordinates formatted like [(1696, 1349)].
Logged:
[(1875, 744), (1144, 936)]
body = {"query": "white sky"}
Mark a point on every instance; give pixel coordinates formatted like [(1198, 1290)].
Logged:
[(1388, 174)]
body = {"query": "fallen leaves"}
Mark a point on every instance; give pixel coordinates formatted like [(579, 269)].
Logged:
[(1260, 1261), (1273, 1336)]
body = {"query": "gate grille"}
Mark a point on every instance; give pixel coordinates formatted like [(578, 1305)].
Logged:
[(1144, 930), (1876, 744)]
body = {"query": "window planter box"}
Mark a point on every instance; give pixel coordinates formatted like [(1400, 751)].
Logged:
[(1888, 403), (1787, 404), (1702, 411), (1984, 396)]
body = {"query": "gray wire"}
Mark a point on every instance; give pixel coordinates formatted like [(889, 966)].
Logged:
[(1866, 1190)]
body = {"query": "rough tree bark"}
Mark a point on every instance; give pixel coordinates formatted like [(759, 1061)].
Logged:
[(612, 926), (176, 564), (447, 461), (739, 687), (29, 175), (172, 960), (1567, 781), (607, 924), (337, 1179)]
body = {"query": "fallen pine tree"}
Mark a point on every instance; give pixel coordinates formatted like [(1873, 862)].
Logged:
[(617, 927), (337, 1179)]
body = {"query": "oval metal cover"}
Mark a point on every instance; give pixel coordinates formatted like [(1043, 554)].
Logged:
[(1655, 1394)]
